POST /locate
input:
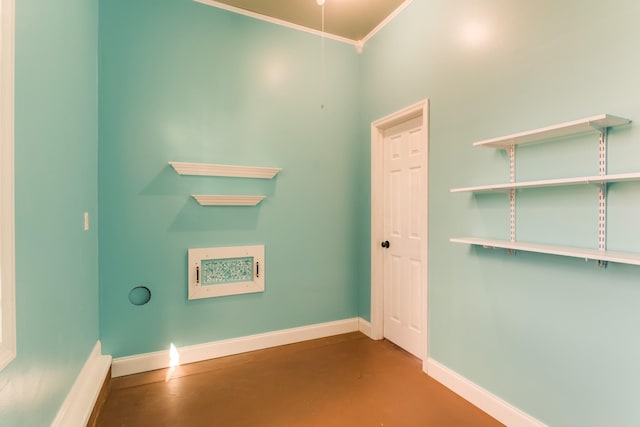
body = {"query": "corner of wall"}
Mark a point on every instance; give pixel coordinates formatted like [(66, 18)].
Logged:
[(78, 405)]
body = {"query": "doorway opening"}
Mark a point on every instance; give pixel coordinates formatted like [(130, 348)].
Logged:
[(399, 228)]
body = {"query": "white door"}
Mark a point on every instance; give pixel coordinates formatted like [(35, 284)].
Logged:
[(405, 204)]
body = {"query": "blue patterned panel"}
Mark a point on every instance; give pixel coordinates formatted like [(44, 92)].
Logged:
[(227, 270)]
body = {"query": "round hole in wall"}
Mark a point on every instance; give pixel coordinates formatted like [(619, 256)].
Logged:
[(140, 295)]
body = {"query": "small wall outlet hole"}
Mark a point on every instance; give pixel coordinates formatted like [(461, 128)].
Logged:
[(140, 295)]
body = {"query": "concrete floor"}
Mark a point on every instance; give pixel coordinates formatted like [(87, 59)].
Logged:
[(346, 380)]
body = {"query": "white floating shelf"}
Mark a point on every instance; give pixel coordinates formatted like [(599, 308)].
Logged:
[(594, 180), (207, 169), (586, 254), (589, 124), (223, 200)]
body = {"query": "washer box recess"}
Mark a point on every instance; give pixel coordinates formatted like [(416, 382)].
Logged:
[(233, 270)]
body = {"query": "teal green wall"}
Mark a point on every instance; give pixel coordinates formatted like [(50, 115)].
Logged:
[(182, 81), (56, 181), (554, 337)]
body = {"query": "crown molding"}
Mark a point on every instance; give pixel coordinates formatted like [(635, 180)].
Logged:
[(276, 21), (381, 25)]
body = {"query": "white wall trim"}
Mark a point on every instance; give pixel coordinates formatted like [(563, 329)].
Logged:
[(78, 405), (483, 399), (195, 353), (388, 19), (7, 213), (276, 21), (364, 327), (419, 109)]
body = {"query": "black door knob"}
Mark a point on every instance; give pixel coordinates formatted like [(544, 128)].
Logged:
[(385, 244)]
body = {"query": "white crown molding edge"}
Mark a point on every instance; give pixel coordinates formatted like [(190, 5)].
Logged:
[(224, 200), (210, 169), (195, 353), (481, 398), (383, 24), (276, 21), (79, 403), (8, 348)]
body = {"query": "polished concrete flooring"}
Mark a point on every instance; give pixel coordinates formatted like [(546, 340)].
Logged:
[(347, 380)]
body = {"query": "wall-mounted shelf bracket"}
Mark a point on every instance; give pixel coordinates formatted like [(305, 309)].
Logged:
[(512, 197), (576, 127), (602, 195), (601, 257), (207, 169), (601, 124), (227, 200)]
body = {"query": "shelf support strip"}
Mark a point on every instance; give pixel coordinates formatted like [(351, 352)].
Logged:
[(602, 195), (512, 197)]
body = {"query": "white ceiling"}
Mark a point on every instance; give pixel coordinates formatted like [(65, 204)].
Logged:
[(349, 19)]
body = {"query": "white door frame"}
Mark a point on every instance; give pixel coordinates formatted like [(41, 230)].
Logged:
[(7, 221), (420, 109)]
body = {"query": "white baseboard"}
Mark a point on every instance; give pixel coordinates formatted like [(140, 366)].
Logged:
[(483, 399), (365, 327), (196, 353), (78, 405)]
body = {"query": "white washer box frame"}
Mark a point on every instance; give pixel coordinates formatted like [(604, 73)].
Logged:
[(196, 255)]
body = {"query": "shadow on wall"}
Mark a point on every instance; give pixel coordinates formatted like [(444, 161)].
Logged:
[(194, 217)]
